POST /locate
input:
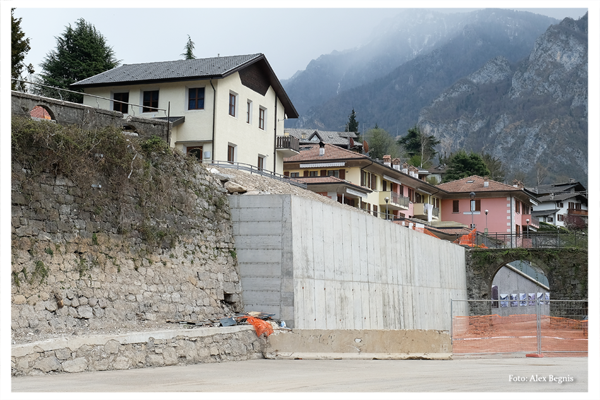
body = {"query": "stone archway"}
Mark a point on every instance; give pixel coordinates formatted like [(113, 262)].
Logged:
[(566, 270)]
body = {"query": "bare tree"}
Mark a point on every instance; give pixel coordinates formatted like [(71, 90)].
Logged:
[(541, 173)]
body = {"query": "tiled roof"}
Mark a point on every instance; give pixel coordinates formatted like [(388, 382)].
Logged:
[(40, 112), (180, 70), (331, 153), (198, 68), (330, 137), (474, 183)]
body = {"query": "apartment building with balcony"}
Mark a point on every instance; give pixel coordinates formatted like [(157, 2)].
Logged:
[(384, 189), (560, 202)]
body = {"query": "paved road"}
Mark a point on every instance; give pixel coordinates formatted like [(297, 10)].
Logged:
[(464, 375)]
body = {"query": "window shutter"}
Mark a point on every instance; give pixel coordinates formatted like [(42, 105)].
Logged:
[(342, 174), (323, 172), (286, 173), (305, 173)]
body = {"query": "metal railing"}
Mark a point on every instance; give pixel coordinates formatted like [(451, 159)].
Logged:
[(399, 199), (253, 170), (288, 142), (534, 240), (59, 90)]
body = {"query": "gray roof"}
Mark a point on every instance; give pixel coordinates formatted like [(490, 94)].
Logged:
[(561, 197), (185, 70), (329, 137), (168, 70), (564, 187)]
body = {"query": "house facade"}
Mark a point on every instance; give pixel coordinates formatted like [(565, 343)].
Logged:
[(557, 203), (494, 207), (221, 109), (385, 189)]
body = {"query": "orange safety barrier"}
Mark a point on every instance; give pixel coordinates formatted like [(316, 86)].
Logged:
[(518, 333), (469, 240)]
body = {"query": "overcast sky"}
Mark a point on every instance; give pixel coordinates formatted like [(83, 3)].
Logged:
[(289, 37)]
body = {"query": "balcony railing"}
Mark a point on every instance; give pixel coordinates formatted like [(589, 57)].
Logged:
[(419, 209), (400, 200), (288, 142), (256, 171), (574, 211), (533, 221)]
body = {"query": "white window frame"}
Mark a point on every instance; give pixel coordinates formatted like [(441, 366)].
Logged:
[(264, 119), (187, 99), (150, 89), (249, 111), (235, 152), (236, 106)]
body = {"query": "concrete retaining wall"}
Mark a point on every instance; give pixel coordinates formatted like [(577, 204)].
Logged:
[(136, 350), (359, 344), (318, 266)]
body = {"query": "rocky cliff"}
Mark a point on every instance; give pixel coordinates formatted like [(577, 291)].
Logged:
[(532, 115)]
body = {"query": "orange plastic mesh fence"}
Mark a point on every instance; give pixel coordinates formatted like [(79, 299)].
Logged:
[(470, 240), (518, 333), (260, 326)]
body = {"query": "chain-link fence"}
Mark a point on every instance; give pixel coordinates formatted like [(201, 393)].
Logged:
[(557, 328)]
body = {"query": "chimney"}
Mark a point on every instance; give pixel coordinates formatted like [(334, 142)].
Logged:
[(518, 184), (486, 181), (396, 164), (413, 171), (321, 149), (387, 160), (405, 168)]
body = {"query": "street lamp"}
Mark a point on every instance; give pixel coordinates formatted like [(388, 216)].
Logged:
[(386, 207), (486, 230), (472, 195)]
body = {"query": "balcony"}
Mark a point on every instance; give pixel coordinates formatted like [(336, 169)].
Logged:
[(419, 211), (533, 221), (287, 146), (395, 201), (580, 213)]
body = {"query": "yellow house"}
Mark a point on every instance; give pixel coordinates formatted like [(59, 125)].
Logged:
[(357, 180), (229, 109)]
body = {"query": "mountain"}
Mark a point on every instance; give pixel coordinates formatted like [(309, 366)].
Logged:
[(399, 39), (413, 58), (532, 115)]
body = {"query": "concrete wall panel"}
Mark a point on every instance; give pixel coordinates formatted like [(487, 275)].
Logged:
[(348, 269)]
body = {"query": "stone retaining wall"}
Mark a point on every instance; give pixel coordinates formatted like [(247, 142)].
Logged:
[(99, 260), (86, 117), (137, 350)]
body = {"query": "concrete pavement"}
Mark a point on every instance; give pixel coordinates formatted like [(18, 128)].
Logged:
[(462, 375)]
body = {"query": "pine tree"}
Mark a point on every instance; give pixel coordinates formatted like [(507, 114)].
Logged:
[(419, 146), (81, 52), (19, 49), (463, 164), (189, 50), (352, 125)]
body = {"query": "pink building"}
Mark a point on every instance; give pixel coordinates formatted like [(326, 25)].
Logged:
[(497, 207)]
